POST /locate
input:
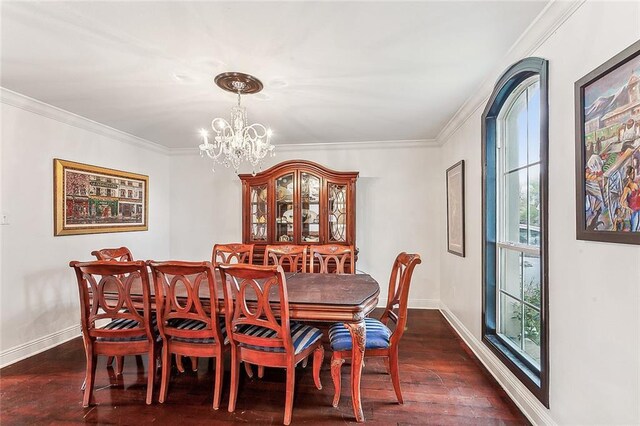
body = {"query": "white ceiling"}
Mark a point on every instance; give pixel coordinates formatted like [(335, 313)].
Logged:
[(332, 71)]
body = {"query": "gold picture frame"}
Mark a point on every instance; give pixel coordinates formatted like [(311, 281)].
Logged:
[(92, 200)]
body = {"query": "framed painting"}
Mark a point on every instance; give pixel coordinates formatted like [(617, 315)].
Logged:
[(91, 199), (455, 209), (607, 102)]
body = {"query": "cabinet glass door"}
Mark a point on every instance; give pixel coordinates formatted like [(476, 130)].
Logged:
[(284, 208), (337, 212), (258, 217), (310, 204)]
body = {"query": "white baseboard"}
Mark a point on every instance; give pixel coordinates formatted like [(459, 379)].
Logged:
[(25, 350), (519, 394), (416, 303)]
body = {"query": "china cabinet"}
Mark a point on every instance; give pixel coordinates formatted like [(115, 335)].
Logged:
[(298, 202)]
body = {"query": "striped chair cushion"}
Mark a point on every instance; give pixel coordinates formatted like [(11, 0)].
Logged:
[(302, 336), (126, 324), (188, 324), (378, 335)]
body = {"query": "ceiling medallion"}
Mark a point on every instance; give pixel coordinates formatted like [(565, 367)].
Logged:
[(237, 142)]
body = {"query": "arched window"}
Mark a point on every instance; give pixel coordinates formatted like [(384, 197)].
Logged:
[(515, 158)]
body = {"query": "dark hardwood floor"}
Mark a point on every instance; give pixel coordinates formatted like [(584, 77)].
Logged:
[(442, 383)]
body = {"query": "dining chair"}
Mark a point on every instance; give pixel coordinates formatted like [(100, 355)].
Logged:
[(380, 340), (333, 258), (232, 253), (121, 254), (185, 324), (292, 258), (130, 330), (260, 337)]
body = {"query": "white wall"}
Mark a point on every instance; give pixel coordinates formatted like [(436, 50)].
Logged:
[(38, 293), (593, 287), (397, 207)]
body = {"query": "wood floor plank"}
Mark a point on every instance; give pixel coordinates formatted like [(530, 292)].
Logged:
[(442, 383)]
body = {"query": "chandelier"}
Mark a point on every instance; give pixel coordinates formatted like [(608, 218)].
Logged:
[(237, 142)]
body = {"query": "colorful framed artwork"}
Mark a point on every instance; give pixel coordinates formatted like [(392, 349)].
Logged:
[(607, 102), (91, 199), (455, 209)]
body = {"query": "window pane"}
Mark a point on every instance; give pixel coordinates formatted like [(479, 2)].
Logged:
[(259, 213), (532, 330), (511, 272), (337, 212), (284, 208), (531, 279), (515, 136), (310, 198), (533, 125), (515, 207), (534, 205), (510, 319)]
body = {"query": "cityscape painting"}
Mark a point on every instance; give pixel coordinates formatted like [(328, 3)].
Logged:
[(608, 150), (90, 199)]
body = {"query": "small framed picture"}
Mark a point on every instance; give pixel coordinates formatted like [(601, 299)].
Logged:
[(91, 199), (607, 102), (455, 209)]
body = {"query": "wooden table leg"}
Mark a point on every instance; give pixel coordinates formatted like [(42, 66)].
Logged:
[(358, 339)]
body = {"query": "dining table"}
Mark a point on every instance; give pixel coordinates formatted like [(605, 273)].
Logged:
[(345, 298)]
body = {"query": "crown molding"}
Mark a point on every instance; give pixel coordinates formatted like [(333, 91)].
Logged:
[(18, 100), (298, 147), (552, 17)]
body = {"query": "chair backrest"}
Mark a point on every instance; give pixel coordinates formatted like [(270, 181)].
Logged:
[(104, 279), (180, 290), (247, 291), (292, 258), (121, 254), (399, 283), (333, 258), (232, 253)]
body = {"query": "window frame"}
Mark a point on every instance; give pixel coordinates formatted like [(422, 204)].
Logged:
[(537, 381)]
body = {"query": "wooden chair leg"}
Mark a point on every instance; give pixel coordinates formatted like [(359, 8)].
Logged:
[(166, 369), (90, 378), (119, 365), (151, 374), (110, 360), (288, 405), (260, 371), (194, 363), (318, 357), (395, 373), (217, 387), (248, 369), (179, 363), (235, 378), (336, 366)]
